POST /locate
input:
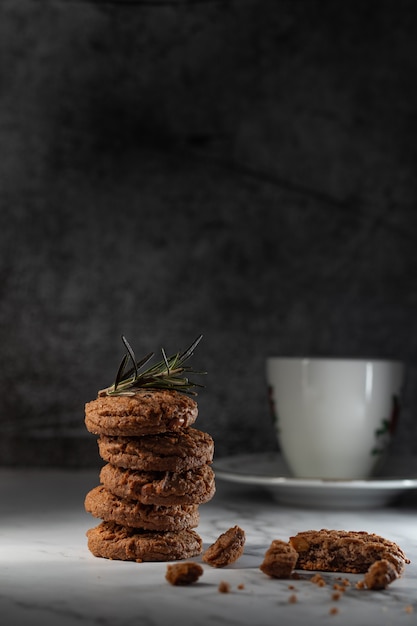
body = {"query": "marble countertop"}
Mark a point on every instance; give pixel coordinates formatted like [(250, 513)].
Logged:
[(48, 576)]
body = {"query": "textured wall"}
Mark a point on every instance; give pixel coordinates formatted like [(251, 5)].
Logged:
[(240, 169)]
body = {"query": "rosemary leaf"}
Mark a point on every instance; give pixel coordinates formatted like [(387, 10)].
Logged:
[(131, 354), (120, 371), (167, 373)]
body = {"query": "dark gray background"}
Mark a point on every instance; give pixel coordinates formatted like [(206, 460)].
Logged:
[(241, 169)]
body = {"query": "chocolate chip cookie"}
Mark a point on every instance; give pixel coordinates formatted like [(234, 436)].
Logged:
[(165, 452), (103, 504), (195, 486), (112, 541), (146, 412)]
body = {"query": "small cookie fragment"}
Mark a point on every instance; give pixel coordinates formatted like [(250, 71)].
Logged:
[(380, 575), (318, 580), (280, 559), (341, 586), (183, 573), (224, 587), (227, 548)]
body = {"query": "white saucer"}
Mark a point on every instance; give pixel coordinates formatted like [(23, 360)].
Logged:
[(268, 470)]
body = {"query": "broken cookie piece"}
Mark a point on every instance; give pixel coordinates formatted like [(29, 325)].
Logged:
[(183, 573), (380, 575), (226, 549), (345, 551), (381, 560), (280, 559)]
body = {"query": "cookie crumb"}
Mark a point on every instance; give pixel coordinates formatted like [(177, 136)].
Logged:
[(183, 573), (344, 582), (224, 587), (292, 599), (241, 586), (336, 595), (334, 610), (409, 609), (318, 580)]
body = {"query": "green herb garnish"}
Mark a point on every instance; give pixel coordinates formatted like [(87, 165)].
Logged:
[(166, 374)]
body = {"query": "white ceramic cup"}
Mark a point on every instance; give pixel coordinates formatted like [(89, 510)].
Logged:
[(334, 416)]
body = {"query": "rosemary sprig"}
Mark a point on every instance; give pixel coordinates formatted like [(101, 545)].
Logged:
[(167, 373)]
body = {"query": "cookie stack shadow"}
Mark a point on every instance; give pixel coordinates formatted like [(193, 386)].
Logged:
[(157, 474)]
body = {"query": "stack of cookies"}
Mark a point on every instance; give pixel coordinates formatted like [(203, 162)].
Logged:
[(157, 474)]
